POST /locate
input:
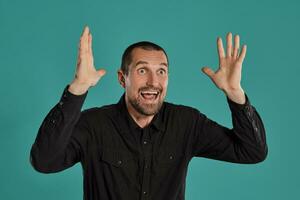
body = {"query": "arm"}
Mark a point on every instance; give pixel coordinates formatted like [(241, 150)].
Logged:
[(62, 137), (246, 142)]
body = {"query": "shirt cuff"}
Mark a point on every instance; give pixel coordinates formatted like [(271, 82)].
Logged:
[(239, 107), (71, 101)]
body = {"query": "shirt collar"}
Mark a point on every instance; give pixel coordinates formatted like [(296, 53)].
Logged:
[(157, 121)]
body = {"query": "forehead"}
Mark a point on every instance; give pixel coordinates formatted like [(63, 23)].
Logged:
[(150, 56)]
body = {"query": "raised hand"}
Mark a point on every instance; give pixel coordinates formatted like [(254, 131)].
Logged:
[(86, 74), (228, 75)]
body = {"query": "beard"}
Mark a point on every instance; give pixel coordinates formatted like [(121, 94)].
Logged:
[(147, 109)]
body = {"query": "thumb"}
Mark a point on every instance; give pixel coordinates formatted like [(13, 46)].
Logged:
[(101, 72), (209, 72)]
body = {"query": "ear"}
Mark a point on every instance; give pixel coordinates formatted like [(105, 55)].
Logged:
[(121, 78)]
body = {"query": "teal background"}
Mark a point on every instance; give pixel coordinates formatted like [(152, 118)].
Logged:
[(38, 49)]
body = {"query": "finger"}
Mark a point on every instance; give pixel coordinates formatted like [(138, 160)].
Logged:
[(85, 31), (101, 72), (220, 48), (209, 72), (90, 38), (84, 41), (229, 45), (242, 54), (236, 46)]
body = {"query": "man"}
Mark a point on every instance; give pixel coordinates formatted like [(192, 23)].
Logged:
[(140, 147)]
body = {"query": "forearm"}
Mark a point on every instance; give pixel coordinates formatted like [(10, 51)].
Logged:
[(56, 129), (249, 129), (244, 143)]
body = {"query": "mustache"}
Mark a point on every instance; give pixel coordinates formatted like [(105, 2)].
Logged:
[(146, 88)]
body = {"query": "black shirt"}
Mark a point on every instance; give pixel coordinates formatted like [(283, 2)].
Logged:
[(122, 161)]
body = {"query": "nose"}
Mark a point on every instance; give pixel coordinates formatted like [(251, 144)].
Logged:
[(152, 79)]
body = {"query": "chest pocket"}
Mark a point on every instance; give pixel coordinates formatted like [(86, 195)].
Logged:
[(121, 168), (117, 159), (169, 158), (167, 165)]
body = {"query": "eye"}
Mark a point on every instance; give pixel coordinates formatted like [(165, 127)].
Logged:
[(142, 71), (162, 72)]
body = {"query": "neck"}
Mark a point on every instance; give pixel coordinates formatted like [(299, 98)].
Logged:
[(140, 119)]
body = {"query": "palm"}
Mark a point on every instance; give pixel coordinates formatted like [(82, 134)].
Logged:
[(228, 75), (86, 72)]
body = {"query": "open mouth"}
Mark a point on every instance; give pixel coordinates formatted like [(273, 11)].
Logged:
[(149, 95)]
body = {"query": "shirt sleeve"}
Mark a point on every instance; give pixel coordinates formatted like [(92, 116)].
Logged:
[(60, 138), (244, 143)]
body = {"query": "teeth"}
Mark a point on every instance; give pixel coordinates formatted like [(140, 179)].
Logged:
[(150, 92)]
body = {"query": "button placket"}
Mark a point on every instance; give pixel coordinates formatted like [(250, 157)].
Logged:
[(146, 151), (256, 131), (249, 114), (63, 98)]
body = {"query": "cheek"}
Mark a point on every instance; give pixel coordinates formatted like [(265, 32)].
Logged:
[(135, 80), (132, 88), (164, 83)]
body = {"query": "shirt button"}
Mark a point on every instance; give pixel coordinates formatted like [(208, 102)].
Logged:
[(144, 193), (61, 103), (171, 157), (145, 142), (249, 114), (119, 162)]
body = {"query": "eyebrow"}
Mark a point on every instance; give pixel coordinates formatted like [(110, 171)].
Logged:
[(141, 62)]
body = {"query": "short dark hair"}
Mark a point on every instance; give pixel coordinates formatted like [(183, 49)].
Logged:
[(127, 57)]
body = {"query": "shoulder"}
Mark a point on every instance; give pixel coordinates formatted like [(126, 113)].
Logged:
[(99, 112), (180, 110), (179, 107)]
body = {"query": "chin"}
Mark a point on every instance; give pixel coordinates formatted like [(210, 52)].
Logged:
[(149, 109)]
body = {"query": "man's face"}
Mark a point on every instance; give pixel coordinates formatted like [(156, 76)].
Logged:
[(147, 81)]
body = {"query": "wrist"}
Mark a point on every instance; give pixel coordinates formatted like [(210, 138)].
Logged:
[(77, 88), (236, 95)]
